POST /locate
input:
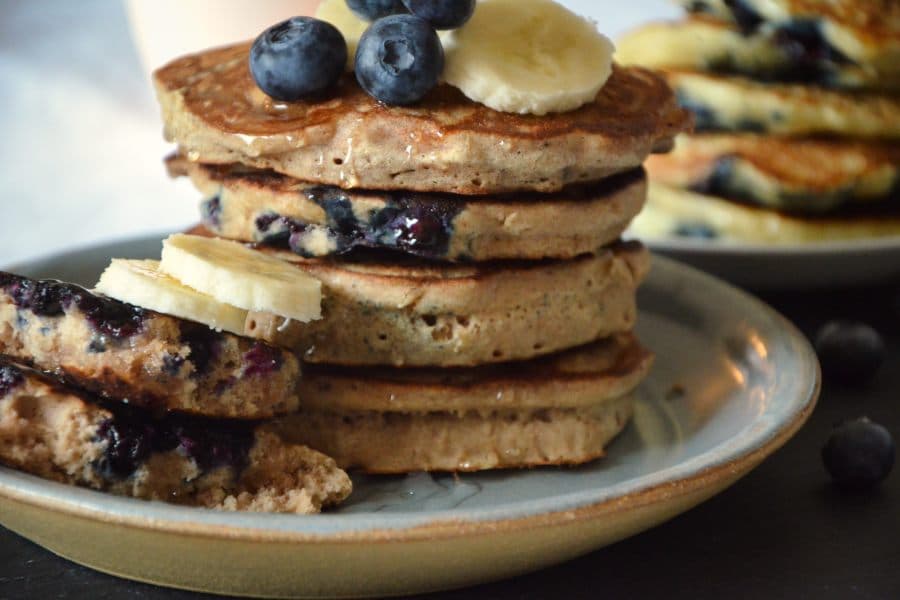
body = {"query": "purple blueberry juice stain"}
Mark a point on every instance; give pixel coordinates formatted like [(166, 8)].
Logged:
[(203, 343), (275, 230), (415, 224), (211, 211), (262, 359), (49, 298), (133, 436)]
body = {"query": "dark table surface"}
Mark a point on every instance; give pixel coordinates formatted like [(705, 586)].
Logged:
[(781, 532)]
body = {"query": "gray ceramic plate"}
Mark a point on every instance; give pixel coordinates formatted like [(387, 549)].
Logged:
[(733, 381), (789, 267)]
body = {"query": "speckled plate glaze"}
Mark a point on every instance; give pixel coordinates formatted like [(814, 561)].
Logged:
[(760, 267), (732, 383)]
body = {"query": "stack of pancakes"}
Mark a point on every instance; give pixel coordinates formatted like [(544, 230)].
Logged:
[(477, 301), (798, 119)]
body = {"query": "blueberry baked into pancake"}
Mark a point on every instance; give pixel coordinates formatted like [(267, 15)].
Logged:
[(72, 436), (138, 403), (798, 117), (409, 259)]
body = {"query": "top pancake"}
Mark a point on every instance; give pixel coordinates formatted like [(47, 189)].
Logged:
[(216, 113), (867, 33)]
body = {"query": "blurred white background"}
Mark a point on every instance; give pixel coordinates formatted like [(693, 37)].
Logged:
[(80, 136)]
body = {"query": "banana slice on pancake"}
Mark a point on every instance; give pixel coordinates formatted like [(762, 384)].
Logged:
[(528, 57), (236, 275), (140, 282)]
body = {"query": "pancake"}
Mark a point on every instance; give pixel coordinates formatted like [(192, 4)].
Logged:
[(790, 174), (767, 53), (68, 435), (140, 357), (739, 104), (576, 378), (414, 313), (867, 33), (401, 443), (445, 143), (250, 205), (672, 212), (556, 410)]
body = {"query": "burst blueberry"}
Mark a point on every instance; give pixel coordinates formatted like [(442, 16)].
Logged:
[(850, 352), (859, 454), (442, 14), (370, 10), (399, 59), (298, 58)]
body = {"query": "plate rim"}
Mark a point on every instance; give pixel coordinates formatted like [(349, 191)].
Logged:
[(728, 249), (94, 505)]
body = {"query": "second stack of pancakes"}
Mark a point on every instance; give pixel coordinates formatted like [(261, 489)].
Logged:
[(798, 118), (478, 304)]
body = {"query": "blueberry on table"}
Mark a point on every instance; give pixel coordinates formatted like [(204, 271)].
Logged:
[(298, 58), (859, 454), (370, 10), (850, 352), (399, 59), (442, 14)]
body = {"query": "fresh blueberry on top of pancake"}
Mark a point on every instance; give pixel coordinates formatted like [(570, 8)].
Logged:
[(849, 352), (298, 58), (399, 59), (859, 454), (442, 14)]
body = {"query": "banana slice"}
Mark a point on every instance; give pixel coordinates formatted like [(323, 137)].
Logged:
[(236, 275), (351, 27), (528, 57), (141, 283)]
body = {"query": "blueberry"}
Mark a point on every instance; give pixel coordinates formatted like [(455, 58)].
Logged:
[(370, 10), (128, 444), (298, 58), (10, 379), (699, 231), (859, 454), (748, 20), (399, 59), (442, 14), (849, 352)]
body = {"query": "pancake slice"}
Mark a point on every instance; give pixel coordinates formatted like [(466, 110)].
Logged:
[(129, 354), (446, 143), (805, 176), (251, 205), (563, 409), (67, 435)]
